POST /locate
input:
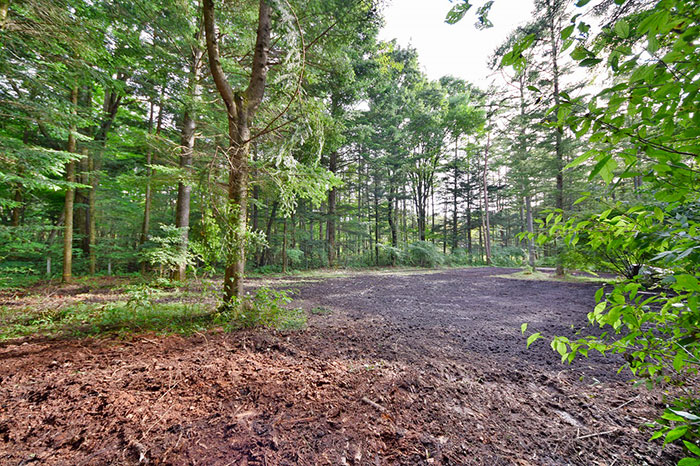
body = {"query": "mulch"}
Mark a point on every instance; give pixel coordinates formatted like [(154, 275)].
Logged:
[(407, 369)]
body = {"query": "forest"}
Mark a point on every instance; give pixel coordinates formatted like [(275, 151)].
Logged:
[(253, 232)]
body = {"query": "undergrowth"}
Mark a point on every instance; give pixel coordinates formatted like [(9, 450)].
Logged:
[(141, 313)]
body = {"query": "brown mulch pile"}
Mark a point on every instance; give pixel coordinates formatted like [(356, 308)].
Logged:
[(408, 369)]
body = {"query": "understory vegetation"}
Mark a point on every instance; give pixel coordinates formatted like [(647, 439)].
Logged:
[(142, 308)]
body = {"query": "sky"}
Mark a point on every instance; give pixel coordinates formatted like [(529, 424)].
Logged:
[(459, 50)]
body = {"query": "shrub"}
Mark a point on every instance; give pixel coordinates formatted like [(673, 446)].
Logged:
[(266, 308), (508, 256), (295, 256), (423, 254)]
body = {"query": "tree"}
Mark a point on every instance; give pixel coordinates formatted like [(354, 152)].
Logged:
[(426, 133), (644, 126), (240, 110), (462, 119), (184, 189)]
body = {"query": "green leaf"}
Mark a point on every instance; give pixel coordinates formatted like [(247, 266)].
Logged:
[(652, 44), (622, 29), (687, 282), (679, 361), (694, 449), (599, 294), (604, 167), (457, 12), (675, 434), (523, 327), (685, 415), (658, 214), (669, 416), (590, 62), (533, 338), (566, 32), (689, 461), (580, 159)]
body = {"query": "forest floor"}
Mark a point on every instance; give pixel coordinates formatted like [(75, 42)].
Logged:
[(392, 368)]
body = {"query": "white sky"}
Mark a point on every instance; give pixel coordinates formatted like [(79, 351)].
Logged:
[(459, 50)]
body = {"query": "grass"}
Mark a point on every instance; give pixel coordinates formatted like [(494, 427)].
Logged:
[(137, 311), (118, 318), (541, 276), (321, 311)]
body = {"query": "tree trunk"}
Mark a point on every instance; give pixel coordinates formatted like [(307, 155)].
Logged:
[(444, 228), (330, 223), (469, 209), (559, 130), (531, 231), (80, 220), (486, 220), (432, 214), (146, 224), (265, 253), (17, 210), (110, 106), (184, 190), (455, 174), (241, 108), (392, 218), (284, 246), (92, 234), (70, 197), (376, 221), (4, 8)]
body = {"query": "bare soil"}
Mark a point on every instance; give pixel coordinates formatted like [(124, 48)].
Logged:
[(401, 369)]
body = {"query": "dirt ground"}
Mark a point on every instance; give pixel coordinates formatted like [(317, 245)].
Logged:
[(410, 368)]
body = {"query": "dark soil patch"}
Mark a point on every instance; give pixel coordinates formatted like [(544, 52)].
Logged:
[(406, 369)]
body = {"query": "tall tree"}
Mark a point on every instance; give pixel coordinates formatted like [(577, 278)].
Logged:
[(184, 188), (241, 106)]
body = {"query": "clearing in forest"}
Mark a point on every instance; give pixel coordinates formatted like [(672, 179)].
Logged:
[(412, 368)]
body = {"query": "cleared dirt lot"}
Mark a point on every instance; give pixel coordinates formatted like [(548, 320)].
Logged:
[(411, 368)]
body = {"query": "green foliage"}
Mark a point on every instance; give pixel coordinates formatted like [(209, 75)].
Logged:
[(423, 254), (321, 311), (295, 256), (508, 256), (265, 308), (167, 251), (644, 126), (390, 255), (87, 319), (140, 296)]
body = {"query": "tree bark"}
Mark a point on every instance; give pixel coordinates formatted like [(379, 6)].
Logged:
[(469, 209), (284, 246), (392, 217), (240, 109), (455, 174), (559, 130), (531, 231), (265, 253), (110, 106), (17, 210), (486, 220), (330, 223), (376, 221), (146, 224), (92, 234), (4, 8), (70, 196), (184, 190)]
